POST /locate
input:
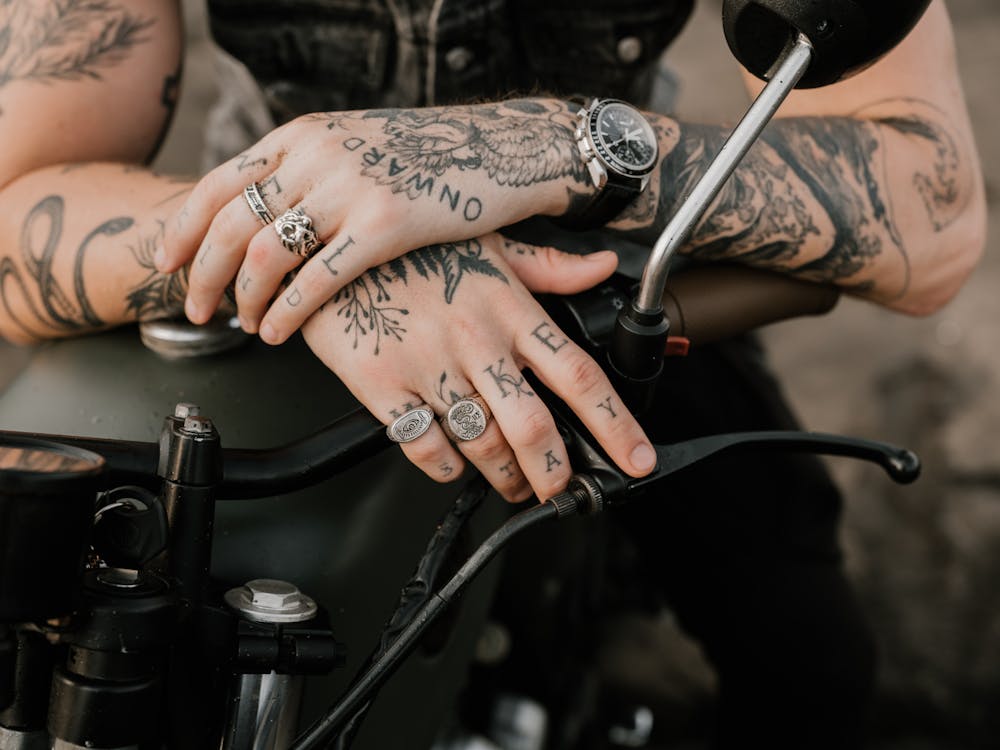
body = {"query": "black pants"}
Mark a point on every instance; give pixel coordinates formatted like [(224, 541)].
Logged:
[(744, 549)]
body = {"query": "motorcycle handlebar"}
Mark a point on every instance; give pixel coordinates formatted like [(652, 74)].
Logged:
[(704, 304), (709, 304)]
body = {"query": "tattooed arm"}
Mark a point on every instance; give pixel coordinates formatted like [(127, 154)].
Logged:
[(84, 83), (872, 184)]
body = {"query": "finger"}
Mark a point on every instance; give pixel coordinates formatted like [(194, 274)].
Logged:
[(527, 425), (217, 188), (431, 452), (490, 452), (363, 244), (265, 266), (220, 256), (547, 270), (579, 381)]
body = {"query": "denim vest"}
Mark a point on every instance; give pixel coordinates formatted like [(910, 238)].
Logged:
[(318, 55)]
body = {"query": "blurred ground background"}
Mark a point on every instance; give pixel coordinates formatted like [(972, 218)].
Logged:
[(925, 558)]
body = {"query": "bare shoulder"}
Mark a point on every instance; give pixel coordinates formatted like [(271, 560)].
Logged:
[(84, 79)]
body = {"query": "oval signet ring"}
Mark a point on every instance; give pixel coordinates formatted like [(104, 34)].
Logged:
[(411, 425)]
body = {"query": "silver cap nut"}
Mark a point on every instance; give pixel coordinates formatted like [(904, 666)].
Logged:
[(270, 594), (183, 410), (198, 425)]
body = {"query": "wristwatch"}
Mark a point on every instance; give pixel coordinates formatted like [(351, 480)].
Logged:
[(620, 149)]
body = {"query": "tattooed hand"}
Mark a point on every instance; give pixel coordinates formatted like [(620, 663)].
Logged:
[(449, 320), (375, 184)]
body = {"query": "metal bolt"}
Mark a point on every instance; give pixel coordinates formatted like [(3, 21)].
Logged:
[(458, 58), (822, 26), (494, 644), (198, 425), (270, 594), (122, 578), (629, 49), (183, 410), (268, 600)]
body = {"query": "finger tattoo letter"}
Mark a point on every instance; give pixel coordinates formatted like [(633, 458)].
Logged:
[(506, 382), (544, 333), (606, 404)]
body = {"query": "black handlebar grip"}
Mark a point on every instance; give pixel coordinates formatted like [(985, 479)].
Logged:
[(712, 303), (847, 35)]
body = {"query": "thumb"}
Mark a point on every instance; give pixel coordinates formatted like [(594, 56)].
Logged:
[(545, 269)]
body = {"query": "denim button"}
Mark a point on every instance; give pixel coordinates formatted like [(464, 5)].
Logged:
[(629, 49), (458, 58)]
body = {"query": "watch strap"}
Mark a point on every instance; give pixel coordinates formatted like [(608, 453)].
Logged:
[(606, 204)]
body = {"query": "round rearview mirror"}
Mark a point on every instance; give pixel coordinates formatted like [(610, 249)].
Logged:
[(847, 35)]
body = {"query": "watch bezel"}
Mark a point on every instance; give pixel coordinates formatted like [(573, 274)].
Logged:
[(611, 161)]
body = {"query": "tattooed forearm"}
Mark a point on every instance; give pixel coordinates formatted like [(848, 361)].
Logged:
[(33, 298), (812, 196), (66, 40), (365, 303), (803, 172), (158, 295), (168, 98), (939, 181), (46, 278)]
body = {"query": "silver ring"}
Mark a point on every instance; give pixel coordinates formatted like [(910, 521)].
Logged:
[(295, 231), (467, 418), (410, 425), (256, 202)]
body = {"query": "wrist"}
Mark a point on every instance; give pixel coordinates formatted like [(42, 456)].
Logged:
[(617, 149), (573, 187)]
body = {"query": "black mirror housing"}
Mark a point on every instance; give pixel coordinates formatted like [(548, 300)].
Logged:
[(847, 35)]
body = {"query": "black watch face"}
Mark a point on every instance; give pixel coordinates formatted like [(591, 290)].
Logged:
[(624, 138)]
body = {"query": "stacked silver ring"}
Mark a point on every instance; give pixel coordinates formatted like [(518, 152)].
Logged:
[(295, 230), (256, 202)]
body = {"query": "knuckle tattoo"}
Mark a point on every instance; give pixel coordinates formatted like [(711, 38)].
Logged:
[(551, 461), (607, 406), (547, 335), (506, 382)]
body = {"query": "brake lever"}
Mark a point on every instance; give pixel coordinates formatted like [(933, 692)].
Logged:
[(599, 483)]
